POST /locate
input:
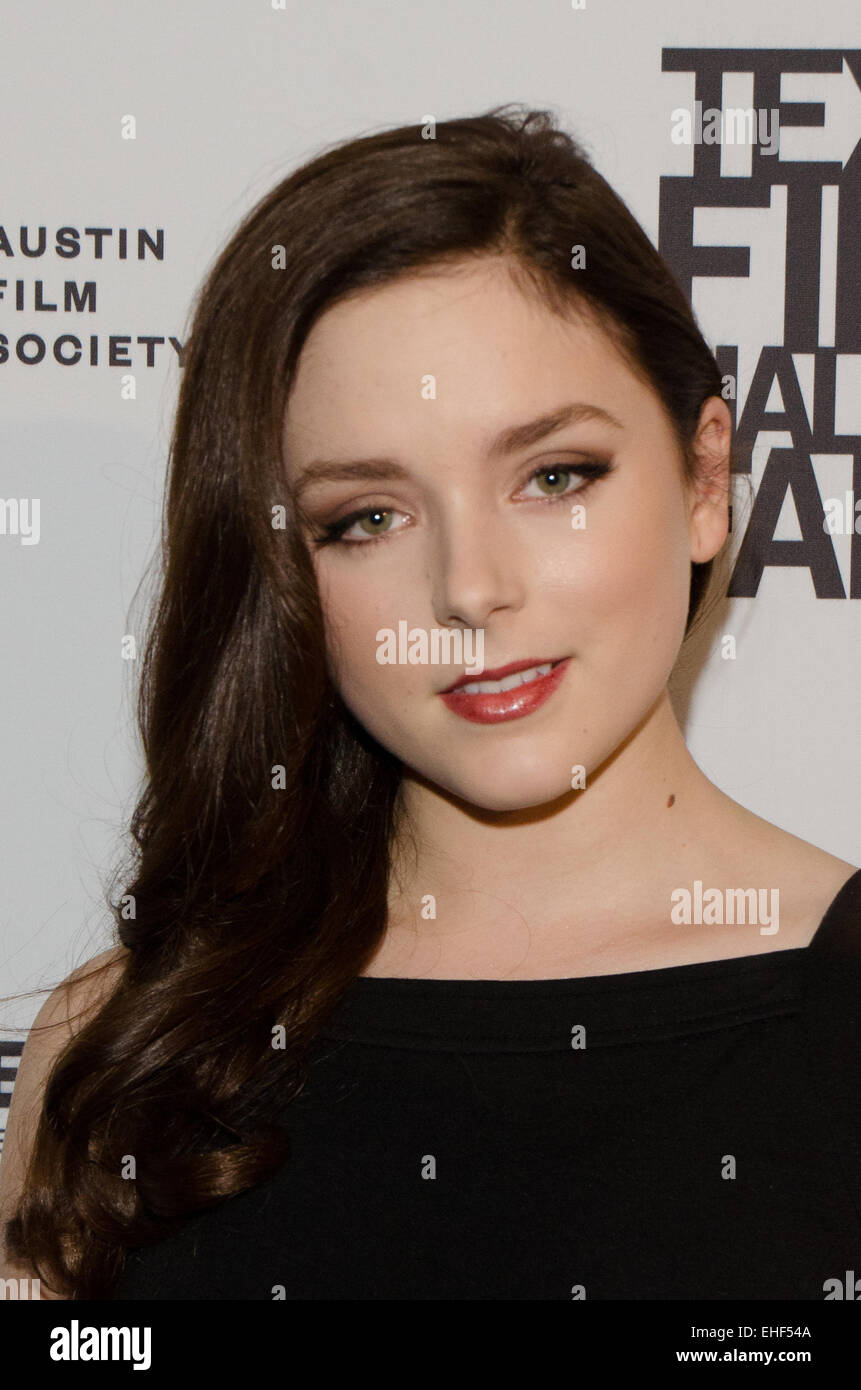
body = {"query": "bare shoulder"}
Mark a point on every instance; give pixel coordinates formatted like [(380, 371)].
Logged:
[(68, 1007), (797, 860), (808, 878), (87, 988), (818, 878)]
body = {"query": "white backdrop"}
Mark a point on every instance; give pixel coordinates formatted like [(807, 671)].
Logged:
[(227, 96)]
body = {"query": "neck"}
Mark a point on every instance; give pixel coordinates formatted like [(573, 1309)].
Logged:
[(592, 857)]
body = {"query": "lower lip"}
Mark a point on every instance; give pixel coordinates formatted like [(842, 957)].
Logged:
[(507, 704)]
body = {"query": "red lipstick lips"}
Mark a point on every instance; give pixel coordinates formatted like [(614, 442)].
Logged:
[(492, 707)]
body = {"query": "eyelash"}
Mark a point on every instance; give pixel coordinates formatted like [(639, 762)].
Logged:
[(591, 469)]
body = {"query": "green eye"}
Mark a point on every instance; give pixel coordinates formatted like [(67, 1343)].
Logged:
[(562, 474), (589, 471), (373, 516), (558, 476)]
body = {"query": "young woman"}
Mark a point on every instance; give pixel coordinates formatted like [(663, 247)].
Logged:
[(405, 1003)]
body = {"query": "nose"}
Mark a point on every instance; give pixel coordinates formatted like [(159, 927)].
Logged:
[(478, 567)]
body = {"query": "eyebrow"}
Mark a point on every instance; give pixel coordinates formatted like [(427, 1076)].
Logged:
[(509, 441)]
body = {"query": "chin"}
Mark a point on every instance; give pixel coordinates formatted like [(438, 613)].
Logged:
[(504, 789)]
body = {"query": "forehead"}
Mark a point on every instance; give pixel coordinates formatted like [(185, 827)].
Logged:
[(464, 347)]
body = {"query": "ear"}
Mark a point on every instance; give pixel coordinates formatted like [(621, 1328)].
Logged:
[(708, 502)]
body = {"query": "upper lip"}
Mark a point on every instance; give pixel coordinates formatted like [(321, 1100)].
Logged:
[(499, 672)]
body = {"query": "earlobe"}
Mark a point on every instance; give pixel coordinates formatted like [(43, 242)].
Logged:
[(708, 527)]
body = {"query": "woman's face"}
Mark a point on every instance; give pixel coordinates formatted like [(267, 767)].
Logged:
[(426, 373)]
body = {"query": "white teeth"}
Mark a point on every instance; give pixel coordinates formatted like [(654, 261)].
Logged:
[(508, 682)]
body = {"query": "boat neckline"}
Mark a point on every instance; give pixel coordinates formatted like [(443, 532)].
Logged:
[(848, 895)]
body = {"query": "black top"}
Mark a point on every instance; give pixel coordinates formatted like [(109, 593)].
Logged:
[(451, 1143)]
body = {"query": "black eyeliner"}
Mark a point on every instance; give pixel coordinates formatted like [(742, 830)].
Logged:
[(590, 469)]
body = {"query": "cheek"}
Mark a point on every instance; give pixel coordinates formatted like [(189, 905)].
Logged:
[(626, 578), (357, 603)]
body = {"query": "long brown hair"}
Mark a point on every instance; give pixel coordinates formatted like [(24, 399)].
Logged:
[(263, 834)]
